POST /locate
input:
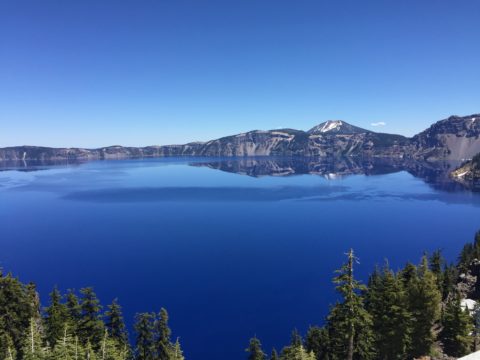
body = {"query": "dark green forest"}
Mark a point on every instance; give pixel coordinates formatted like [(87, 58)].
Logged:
[(399, 314)]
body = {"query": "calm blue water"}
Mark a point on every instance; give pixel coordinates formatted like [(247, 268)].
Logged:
[(229, 255)]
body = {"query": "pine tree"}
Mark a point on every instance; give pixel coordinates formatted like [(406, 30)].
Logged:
[(56, 318), (176, 351), (7, 347), (163, 343), (66, 347), (295, 338), (436, 264), (16, 311), (91, 327), (457, 327), (349, 324), (424, 304), (89, 352), (32, 348), (74, 311), (274, 355), (116, 325), (145, 341), (316, 341), (450, 275), (387, 304), (297, 353), (254, 350)]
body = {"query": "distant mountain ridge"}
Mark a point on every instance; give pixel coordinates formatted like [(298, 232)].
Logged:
[(455, 138)]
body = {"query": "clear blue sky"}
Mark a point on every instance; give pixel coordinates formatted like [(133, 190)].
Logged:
[(95, 73)]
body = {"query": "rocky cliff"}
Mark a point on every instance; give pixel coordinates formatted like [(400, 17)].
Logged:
[(454, 138)]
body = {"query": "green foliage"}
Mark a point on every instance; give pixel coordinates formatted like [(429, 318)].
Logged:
[(144, 343), (115, 324), (274, 355), (254, 350), (457, 327), (32, 347), (16, 310), (424, 305), (297, 353), (91, 326), (387, 304), (316, 341), (56, 318), (349, 324), (163, 343)]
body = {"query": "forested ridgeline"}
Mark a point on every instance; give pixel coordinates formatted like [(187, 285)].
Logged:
[(429, 309), (420, 310), (74, 327)]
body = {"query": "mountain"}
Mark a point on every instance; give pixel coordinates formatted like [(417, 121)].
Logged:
[(336, 127), (455, 138)]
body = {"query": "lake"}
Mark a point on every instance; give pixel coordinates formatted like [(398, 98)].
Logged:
[(231, 247)]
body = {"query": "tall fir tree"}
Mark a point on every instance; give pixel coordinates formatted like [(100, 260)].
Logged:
[(91, 327), (457, 328), (254, 350), (32, 347), (424, 304), (55, 319), (436, 264), (74, 311), (145, 340), (297, 353), (317, 341), (163, 342), (115, 324), (16, 311), (274, 355), (387, 304), (349, 324), (66, 346), (176, 351)]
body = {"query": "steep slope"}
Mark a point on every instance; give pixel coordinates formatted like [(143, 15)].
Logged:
[(454, 138), (469, 171)]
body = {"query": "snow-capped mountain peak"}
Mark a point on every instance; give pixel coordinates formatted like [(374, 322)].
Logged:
[(337, 127)]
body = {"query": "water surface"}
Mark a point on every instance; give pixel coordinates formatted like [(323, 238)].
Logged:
[(231, 247)]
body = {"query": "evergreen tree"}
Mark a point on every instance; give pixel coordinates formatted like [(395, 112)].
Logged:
[(457, 327), (254, 350), (295, 338), (436, 264), (176, 351), (316, 341), (116, 325), (450, 275), (91, 327), (145, 341), (74, 311), (349, 324), (387, 303), (16, 311), (66, 347), (89, 352), (274, 355), (56, 318), (424, 304), (7, 347), (32, 348), (297, 353), (163, 343)]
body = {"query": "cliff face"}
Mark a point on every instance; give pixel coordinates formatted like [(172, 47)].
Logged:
[(454, 138), (469, 173)]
